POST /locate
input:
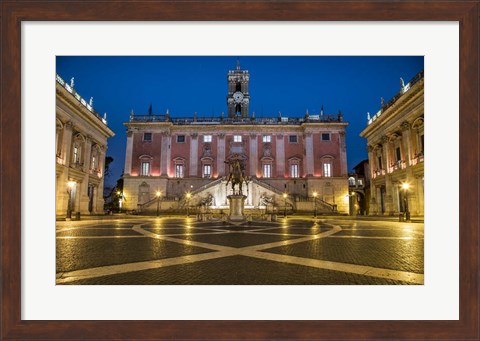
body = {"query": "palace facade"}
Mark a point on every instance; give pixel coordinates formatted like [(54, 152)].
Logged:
[(174, 162), (395, 138), (81, 144)]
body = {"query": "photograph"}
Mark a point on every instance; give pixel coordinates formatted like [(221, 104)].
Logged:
[(239, 170)]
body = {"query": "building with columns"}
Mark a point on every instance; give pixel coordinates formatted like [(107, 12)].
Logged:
[(81, 144), (395, 138), (304, 158)]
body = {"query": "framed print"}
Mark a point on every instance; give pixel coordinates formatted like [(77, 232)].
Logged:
[(36, 304)]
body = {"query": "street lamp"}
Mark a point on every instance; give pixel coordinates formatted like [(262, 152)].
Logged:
[(285, 195), (315, 199), (405, 187), (120, 200), (158, 202), (70, 185), (188, 195)]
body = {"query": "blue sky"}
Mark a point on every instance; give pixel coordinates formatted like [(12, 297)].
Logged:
[(185, 85)]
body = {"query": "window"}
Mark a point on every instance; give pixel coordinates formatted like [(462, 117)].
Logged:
[(94, 162), (207, 171), (351, 181), (398, 154), (207, 138), (379, 162), (179, 171), (145, 168), (294, 173), (327, 169), (422, 143), (292, 139), (147, 137), (237, 138), (360, 182), (325, 136), (267, 138), (267, 170), (180, 138)]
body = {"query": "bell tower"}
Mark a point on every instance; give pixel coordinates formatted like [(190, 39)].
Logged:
[(238, 98)]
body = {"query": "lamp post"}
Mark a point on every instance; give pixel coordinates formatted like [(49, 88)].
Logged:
[(70, 185), (405, 187), (285, 195), (120, 201), (158, 202), (188, 195), (315, 200)]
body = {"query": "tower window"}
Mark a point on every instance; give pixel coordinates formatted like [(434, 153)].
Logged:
[(267, 138), (237, 138), (180, 138), (293, 139), (207, 138), (147, 137), (325, 137)]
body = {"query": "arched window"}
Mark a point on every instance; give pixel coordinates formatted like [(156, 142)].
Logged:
[(179, 167), (294, 167), (77, 149), (327, 165), (145, 165)]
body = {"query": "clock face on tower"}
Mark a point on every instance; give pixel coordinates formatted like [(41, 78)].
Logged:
[(237, 97)]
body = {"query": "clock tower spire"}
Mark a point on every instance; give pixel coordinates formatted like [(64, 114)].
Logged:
[(238, 97)]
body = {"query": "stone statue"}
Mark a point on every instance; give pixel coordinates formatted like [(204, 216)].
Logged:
[(265, 200)]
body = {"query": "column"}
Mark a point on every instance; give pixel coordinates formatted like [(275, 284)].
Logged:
[(343, 154), (67, 142), (98, 202), (253, 154), (280, 156), (371, 160), (83, 190), (164, 162), (309, 154), (406, 142), (128, 153), (193, 166), (220, 154)]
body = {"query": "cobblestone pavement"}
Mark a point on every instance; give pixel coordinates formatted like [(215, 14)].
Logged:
[(296, 250)]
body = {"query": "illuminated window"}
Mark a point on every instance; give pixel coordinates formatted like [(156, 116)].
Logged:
[(267, 138), (180, 138), (179, 171), (147, 137), (294, 170), (94, 162), (292, 139), (237, 138), (267, 170), (351, 181), (207, 138), (327, 169), (145, 171), (207, 171)]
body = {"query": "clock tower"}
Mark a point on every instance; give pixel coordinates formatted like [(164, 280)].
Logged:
[(238, 98)]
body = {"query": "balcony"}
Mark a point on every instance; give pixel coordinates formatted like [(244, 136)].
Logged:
[(397, 165), (418, 158), (378, 172)]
